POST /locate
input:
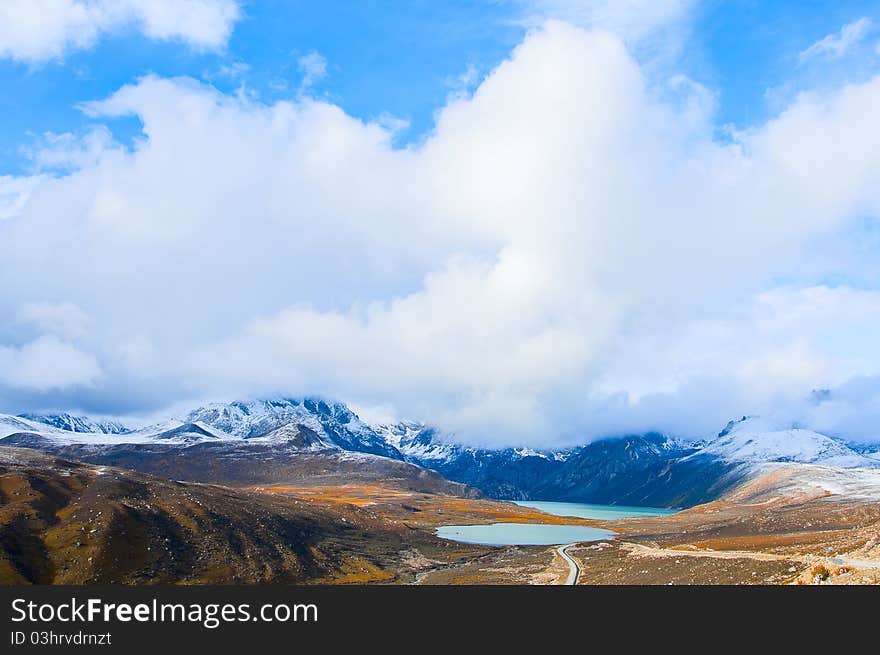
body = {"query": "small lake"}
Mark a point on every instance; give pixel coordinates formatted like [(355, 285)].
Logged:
[(531, 534), (599, 512), (521, 534)]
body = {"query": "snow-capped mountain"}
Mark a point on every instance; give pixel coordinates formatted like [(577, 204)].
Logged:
[(274, 441), (24, 431), (335, 425), (311, 423), (753, 440)]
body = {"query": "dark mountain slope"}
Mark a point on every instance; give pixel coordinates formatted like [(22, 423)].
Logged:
[(246, 463), (65, 522)]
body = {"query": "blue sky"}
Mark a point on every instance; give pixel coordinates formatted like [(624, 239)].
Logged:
[(396, 57), (525, 221), (402, 59)]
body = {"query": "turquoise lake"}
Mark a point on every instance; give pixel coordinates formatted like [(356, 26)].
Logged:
[(521, 534), (600, 512), (530, 534)]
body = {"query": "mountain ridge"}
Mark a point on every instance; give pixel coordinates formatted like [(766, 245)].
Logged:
[(633, 469)]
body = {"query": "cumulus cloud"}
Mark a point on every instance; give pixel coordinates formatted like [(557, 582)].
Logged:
[(36, 31), (567, 255), (835, 46)]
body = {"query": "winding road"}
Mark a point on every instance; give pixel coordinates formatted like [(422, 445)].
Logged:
[(574, 571)]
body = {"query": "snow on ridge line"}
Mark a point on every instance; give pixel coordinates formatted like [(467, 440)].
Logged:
[(751, 440), (152, 434), (77, 422)]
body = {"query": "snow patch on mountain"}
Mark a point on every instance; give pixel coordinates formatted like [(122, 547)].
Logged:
[(75, 423), (857, 484)]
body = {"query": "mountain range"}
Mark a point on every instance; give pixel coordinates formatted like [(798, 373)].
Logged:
[(308, 439)]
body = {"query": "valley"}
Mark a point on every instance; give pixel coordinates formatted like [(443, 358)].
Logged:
[(762, 533)]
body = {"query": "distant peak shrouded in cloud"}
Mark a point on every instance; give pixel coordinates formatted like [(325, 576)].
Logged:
[(36, 31), (566, 255)]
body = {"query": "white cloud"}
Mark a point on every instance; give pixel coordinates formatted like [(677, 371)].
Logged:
[(834, 46), (35, 31), (313, 66), (568, 254), (46, 363)]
